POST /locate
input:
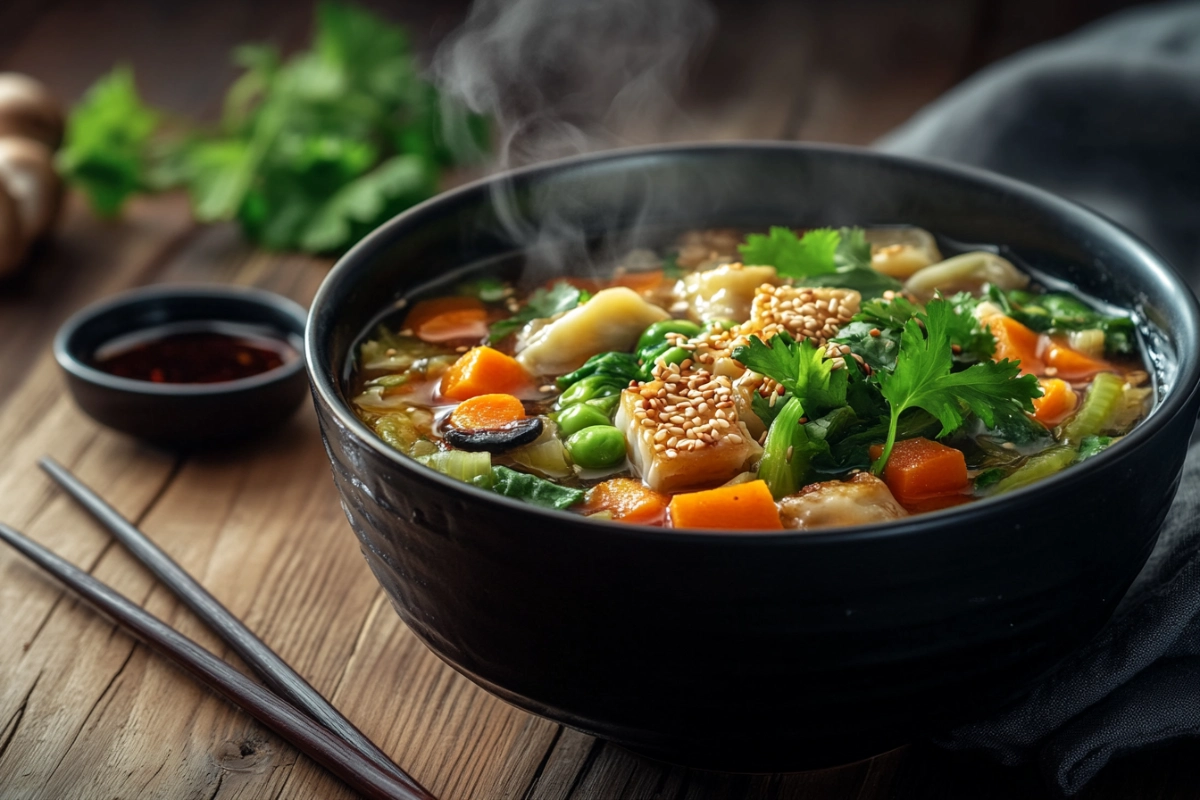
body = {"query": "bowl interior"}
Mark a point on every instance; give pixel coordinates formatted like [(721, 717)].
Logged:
[(570, 216)]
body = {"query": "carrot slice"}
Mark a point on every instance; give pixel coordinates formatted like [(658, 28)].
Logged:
[(744, 506), (1072, 364), (482, 370), (1016, 342), (1057, 402), (487, 411), (445, 318), (920, 469), (628, 500)]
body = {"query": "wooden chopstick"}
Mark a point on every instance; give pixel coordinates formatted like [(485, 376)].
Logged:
[(361, 774), (275, 672)]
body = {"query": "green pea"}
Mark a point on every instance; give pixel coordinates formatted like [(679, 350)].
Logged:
[(659, 330), (579, 416), (586, 389), (597, 447), (676, 355)]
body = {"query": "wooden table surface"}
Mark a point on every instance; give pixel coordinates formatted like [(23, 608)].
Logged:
[(87, 712)]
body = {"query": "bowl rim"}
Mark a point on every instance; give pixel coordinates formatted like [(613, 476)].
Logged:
[(1185, 388), (64, 352)]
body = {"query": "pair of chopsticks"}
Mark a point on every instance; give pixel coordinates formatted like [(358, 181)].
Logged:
[(294, 709)]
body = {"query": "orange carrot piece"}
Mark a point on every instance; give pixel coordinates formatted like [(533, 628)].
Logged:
[(744, 506), (445, 318), (1057, 402), (482, 370), (628, 500), (1072, 364), (1016, 342), (640, 281), (920, 469), (487, 411)]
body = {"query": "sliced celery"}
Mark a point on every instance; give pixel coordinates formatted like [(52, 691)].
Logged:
[(1043, 465), (472, 468), (1101, 401)]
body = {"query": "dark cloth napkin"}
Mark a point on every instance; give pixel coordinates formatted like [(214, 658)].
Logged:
[(1110, 117)]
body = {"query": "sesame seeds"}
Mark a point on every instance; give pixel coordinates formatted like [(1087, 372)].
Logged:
[(804, 312), (685, 408)]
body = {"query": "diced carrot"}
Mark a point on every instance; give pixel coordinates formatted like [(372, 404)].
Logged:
[(1072, 364), (487, 411), (1057, 402), (628, 500), (920, 469), (1016, 342), (640, 281), (744, 506), (482, 370), (445, 318)]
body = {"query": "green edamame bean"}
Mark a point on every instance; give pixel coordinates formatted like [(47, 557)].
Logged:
[(579, 416), (659, 330), (597, 447)]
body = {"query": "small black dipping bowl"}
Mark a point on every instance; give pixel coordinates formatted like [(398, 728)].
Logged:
[(184, 414), (756, 651)]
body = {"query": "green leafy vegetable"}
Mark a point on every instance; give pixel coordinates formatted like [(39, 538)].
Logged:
[(877, 347), (1058, 312), (1093, 446), (535, 490), (487, 290), (801, 368), (793, 256), (989, 477), (853, 250), (622, 367), (107, 139), (542, 303), (312, 151), (473, 468), (923, 379)]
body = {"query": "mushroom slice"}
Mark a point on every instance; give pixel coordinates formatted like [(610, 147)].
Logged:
[(682, 429), (969, 272), (901, 251), (495, 440), (612, 320), (28, 110), (27, 172), (725, 292), (862, 500)]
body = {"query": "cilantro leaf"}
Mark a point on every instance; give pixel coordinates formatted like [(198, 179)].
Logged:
[(793, 256), (801, 368), (1093, 446), (923, 379), (894, 313), (853, 251), (542, 303), (105, 149), (877, 347)]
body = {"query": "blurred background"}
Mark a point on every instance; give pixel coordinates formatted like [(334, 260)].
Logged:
[(794, 69)]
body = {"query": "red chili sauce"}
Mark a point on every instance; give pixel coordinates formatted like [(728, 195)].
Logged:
[(193, 356)]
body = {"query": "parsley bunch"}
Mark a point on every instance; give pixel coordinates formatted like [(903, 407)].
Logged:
[(311, 153)]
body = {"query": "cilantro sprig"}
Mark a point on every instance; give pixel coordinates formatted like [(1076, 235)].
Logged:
[(923, 378), (312, 151), (821, 257)]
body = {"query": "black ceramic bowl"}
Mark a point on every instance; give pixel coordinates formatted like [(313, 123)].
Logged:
[(756, 651), (184, 414)]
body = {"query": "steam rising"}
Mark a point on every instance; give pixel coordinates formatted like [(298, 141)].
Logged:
[(561, 78)]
